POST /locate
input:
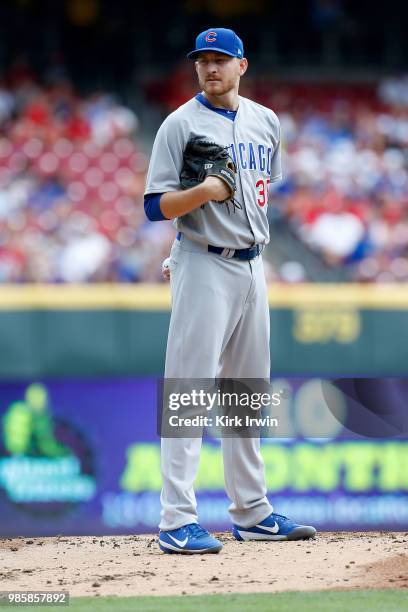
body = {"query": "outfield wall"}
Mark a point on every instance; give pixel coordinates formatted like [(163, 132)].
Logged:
[(79, 450), (116, 330)]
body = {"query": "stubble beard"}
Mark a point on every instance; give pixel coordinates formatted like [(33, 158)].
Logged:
[(220, 90)]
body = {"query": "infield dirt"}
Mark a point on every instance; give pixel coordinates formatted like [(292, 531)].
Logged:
[(134, 565)]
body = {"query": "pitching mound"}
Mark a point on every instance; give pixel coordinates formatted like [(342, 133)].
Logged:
[(134, 565)]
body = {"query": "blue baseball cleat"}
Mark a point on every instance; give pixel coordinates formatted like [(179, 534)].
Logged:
[(189, 539), (274, 527)]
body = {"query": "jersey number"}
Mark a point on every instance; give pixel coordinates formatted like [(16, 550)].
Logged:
[(262, 191)]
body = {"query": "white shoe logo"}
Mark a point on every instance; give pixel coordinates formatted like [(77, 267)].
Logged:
[(273, 529), (179, 542)]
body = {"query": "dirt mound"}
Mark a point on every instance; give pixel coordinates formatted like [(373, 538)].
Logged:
[(388, 573), (134, 565)]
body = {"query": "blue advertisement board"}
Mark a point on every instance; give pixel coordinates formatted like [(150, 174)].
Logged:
[(83, 457)]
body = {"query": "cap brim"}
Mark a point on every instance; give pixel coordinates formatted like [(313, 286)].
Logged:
[(193, 54)]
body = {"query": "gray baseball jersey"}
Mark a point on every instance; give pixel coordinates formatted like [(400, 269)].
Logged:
[(253, 141)]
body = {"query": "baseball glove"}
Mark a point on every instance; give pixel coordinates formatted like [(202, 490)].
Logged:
[(203, 158)]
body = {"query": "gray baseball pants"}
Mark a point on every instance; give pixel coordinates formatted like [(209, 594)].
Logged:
[(219, 327)]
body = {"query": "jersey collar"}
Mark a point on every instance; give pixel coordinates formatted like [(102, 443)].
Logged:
[(230, 114)]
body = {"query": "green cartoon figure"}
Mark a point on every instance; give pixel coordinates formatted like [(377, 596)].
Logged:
[(28, 428)]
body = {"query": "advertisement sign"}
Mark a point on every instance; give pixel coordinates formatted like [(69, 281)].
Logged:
[(83, 457)]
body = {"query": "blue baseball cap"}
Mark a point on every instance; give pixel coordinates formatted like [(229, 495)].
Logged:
[(218, 39)]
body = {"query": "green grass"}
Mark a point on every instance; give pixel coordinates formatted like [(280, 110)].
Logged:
[(322, 601)]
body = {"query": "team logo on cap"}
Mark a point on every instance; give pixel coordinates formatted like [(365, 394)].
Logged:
[(210, 37)]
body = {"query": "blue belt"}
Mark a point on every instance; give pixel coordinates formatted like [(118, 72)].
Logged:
[(242, 254)]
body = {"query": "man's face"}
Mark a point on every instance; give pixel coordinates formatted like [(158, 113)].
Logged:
[(219, 73)]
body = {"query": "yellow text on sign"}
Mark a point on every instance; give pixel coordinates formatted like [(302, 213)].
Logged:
[(327, 324)]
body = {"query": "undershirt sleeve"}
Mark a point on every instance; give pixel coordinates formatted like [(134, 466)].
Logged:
[(152, 207)]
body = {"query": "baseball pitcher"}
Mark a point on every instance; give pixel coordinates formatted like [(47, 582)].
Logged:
[(212, 162)]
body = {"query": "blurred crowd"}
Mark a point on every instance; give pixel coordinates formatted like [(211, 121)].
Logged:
[(72, 178), (71, 188), (345, 188)]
